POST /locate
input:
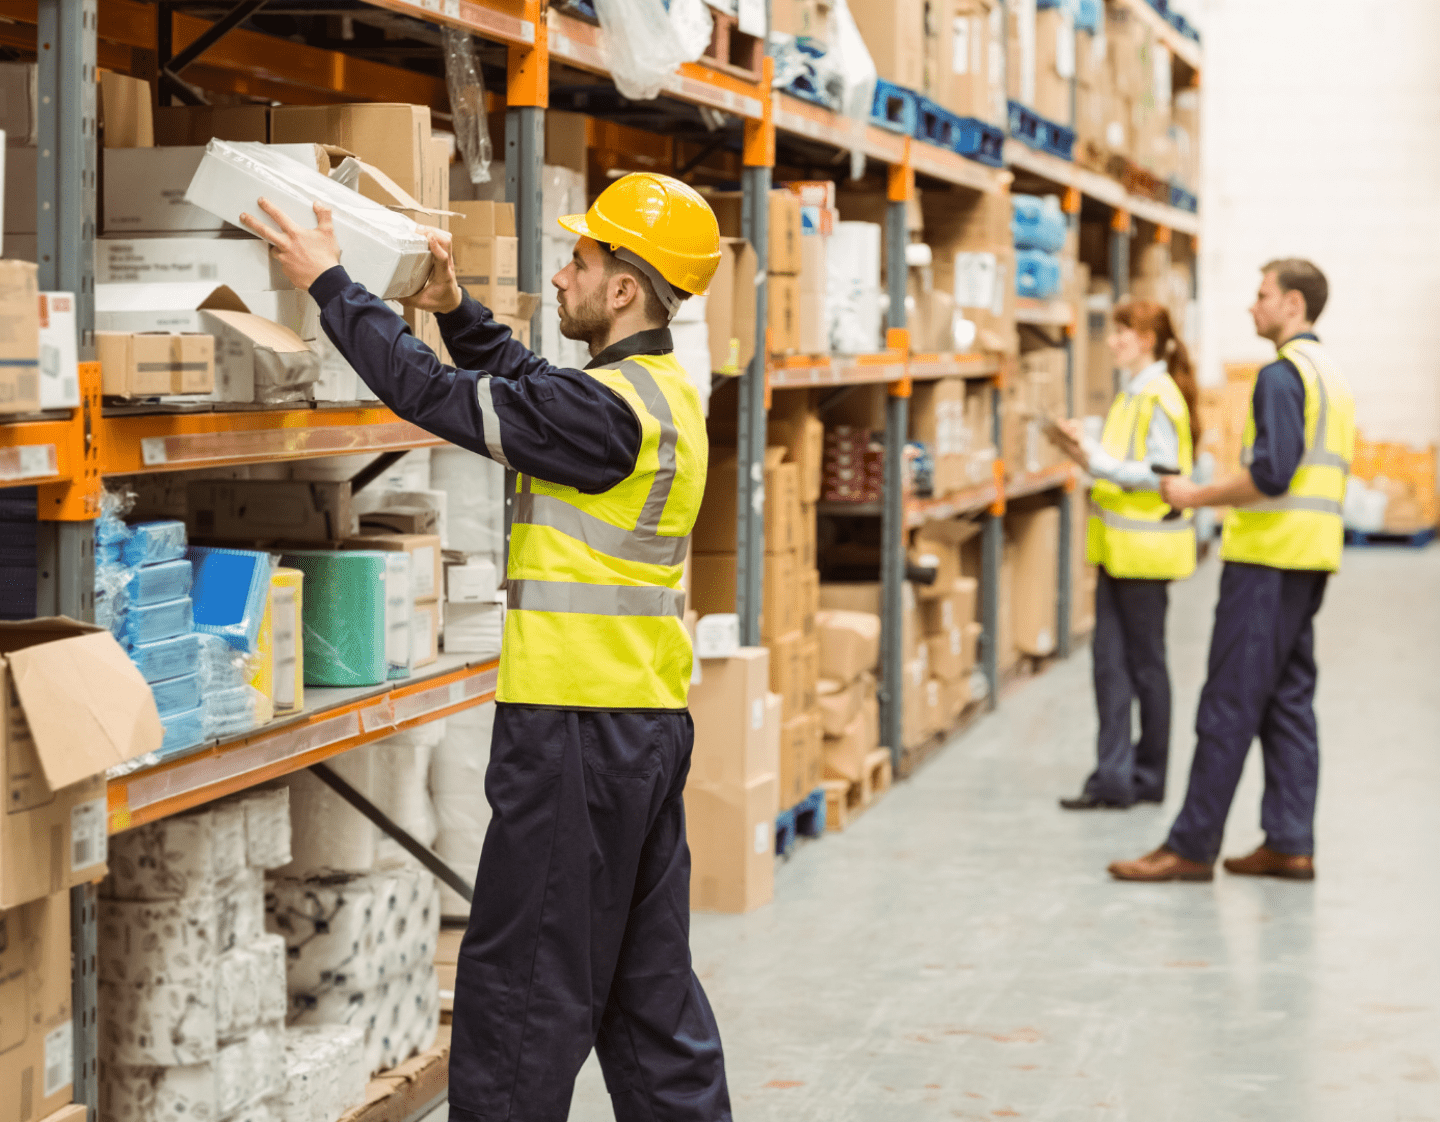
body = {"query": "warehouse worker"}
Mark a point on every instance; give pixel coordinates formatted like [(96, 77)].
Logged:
[(579, 933), (1139, 545), (1282, 538)]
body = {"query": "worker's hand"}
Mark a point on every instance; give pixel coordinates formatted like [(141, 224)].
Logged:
[(442, 291), (1179, 492), (1067, 434), (303, 254)]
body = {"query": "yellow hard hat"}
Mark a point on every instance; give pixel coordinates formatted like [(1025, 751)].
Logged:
[(660, 220)]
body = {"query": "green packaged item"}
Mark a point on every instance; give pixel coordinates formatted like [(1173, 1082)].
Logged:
[(343, 616)]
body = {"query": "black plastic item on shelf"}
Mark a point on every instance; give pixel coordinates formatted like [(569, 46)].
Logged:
[(19, 535)]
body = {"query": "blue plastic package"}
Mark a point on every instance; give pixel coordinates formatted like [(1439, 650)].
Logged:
[(157, 621), (109, 553), (231, 588), (150, 543), (149, 584), (221, 666), (1037, 274), (1038, 223), (167, 658), (183, 731), (176, 695)]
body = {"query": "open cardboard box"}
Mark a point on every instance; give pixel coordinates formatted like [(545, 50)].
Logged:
[(74, 705)]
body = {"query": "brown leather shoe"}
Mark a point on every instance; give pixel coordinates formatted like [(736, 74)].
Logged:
[(1162, 864), (1267, 862)]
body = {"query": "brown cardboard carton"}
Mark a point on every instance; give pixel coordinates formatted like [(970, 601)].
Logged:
[(728, 706), (957, 57), (895, 36), (809, 671), (802, 758), (249, 510), (73, 705), (1054, 63), (392, 136), (946, 653), (782, 307), (845, 754), (954, 606), (19, 337), (1036, 537), (785, 255), (971, 653), (730, 308), (425, 629), (731, 832), (487, 253), (937, 419), (803, 434), (787, 673), (126, 111), (716, 528), (849, 643), (781, 610), (837, 704), (915, 728), (37, 1050), (426, 574), (182, 126), (814, 327), (865, 596), (808, 579)]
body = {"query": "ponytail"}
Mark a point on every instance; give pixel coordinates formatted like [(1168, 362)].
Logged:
[(1145, 315)]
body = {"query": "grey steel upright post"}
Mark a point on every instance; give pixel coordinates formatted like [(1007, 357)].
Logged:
[(524, 179), (750, 481), (1119, 264), (65, 196), (892, 518)]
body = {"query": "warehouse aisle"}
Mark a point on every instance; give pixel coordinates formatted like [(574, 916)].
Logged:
[(961, 952)]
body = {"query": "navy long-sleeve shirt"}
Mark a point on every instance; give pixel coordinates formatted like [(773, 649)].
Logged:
[(556, 424), (1279, 405)]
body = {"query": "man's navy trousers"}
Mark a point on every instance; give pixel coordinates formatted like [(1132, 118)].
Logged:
[(579, 933), (1261, 682)]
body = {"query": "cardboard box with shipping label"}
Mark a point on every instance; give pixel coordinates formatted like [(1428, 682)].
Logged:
[(731, 833), (19, 338), (72, 704), (426, 575), (486, 252), (730, 307), (59, 374), (728, 706), (152, 364), (37, 1051)]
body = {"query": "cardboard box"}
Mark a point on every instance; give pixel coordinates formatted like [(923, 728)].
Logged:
[(937, 419), (253, 510), (952, 606), (792, 424), (730, 307), (717, 526), (21, 201), (144, 190), (808, 579), (1033, 607), (145, 364), (59, 375), (125, 109), (426, 577), (809, 672), (383, 250), (519, 324), (837, 704), (946, 654), (937, 545), (486, 251), (424, 632), (20, 103), (733, 746), (392, 136), (845, 754), (19, 338), (1054, 63), (849, 643), (802, 758), (894, 34), (958, 57), (865, 596), (238, 262), (782, 305), (787, 673), (731, 833), (38, 1048), (182, 125), (784, 226), (73, 705)]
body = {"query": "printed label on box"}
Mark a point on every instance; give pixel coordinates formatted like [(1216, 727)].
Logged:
[(757, 714), (762, 837), (59, 1058), (87, 834)]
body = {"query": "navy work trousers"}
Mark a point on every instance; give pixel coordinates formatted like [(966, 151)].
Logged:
[(579, 935), (1261, 682), (1128, 653)]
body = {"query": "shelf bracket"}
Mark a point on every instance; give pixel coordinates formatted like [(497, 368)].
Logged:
[(422, 853)]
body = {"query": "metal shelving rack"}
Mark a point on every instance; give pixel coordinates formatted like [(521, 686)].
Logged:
[(66, 454)]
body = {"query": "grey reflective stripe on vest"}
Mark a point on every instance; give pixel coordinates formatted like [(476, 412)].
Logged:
[(1143, 525), (490, 420), (1317, 455), (1294, 502), (643, 544), (595, 599)]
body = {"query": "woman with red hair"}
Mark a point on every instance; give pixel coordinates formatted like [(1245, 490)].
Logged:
[(1139, 544)]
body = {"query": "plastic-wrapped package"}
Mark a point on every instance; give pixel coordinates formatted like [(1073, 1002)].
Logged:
[(328, 835), (1038, 223), (219, 665), (163, 860), (398, 606), (333, 927), (474, 486), (267, 827), (167, 658), (852, 287), (112, 597), (183, 731), (852, 60), (469, 116), (343, 616), (153, 622), (230, 591), (643, 46), (400, 782), (150, 543), (237, 997), (149, 584), (1037, 274), (234, 711), (240, 910), (176, 695), (325, 1073), (457, 788), (159, 942), (157, 1094)]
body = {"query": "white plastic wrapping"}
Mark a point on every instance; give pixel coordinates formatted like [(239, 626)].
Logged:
[(466, 85), (328, 835), (643, 45), (324, 1072), (852, 288), (457, 786), (158, 1094), (857, 73), (474, 488), (400, 770)]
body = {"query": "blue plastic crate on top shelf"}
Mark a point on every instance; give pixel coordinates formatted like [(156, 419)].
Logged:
[(966, 136), (1038, 132), (895, 108), (1182, 199)]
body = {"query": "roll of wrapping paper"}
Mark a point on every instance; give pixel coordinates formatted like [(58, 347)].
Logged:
[(343, 616)]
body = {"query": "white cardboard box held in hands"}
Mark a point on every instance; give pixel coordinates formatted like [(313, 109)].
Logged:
[(381, 249)]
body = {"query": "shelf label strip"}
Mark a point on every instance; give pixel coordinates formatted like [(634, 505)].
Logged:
[(416, 705), (195, 448), (28, 461)]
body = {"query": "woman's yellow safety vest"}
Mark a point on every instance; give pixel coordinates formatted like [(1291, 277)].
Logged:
[(1305, 527), (595, 606), (1128, 533)]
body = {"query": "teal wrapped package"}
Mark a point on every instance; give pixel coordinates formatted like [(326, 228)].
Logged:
[(182, 732), (176, 695), (159, 621), (149, 584), (343, 616), (149, 543), (167, 658), (231, 589)]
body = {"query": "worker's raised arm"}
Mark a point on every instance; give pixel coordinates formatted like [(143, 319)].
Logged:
[(559, 425)]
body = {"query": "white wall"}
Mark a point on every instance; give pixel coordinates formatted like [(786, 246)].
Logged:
[(1322, 139)]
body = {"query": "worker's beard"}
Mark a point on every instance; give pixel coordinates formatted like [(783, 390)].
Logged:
[(586, 322)]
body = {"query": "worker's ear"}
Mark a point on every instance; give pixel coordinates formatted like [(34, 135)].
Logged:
[(624, 291)]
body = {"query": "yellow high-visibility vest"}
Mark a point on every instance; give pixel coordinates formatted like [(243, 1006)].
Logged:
[(1128, 533), (595, 604), (1305, 527)]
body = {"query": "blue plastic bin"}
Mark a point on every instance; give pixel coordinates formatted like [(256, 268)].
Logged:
[(1037, 274)]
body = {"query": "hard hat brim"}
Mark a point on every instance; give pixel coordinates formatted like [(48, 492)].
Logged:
[(577, 225)]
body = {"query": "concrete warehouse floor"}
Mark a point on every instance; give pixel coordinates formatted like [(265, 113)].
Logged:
[(961, 952)]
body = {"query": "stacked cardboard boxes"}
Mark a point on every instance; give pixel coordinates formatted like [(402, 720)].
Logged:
[(850, 713), (1037, 393), (1033, 546), (1402, 481), (939, 661), (964, 58)]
